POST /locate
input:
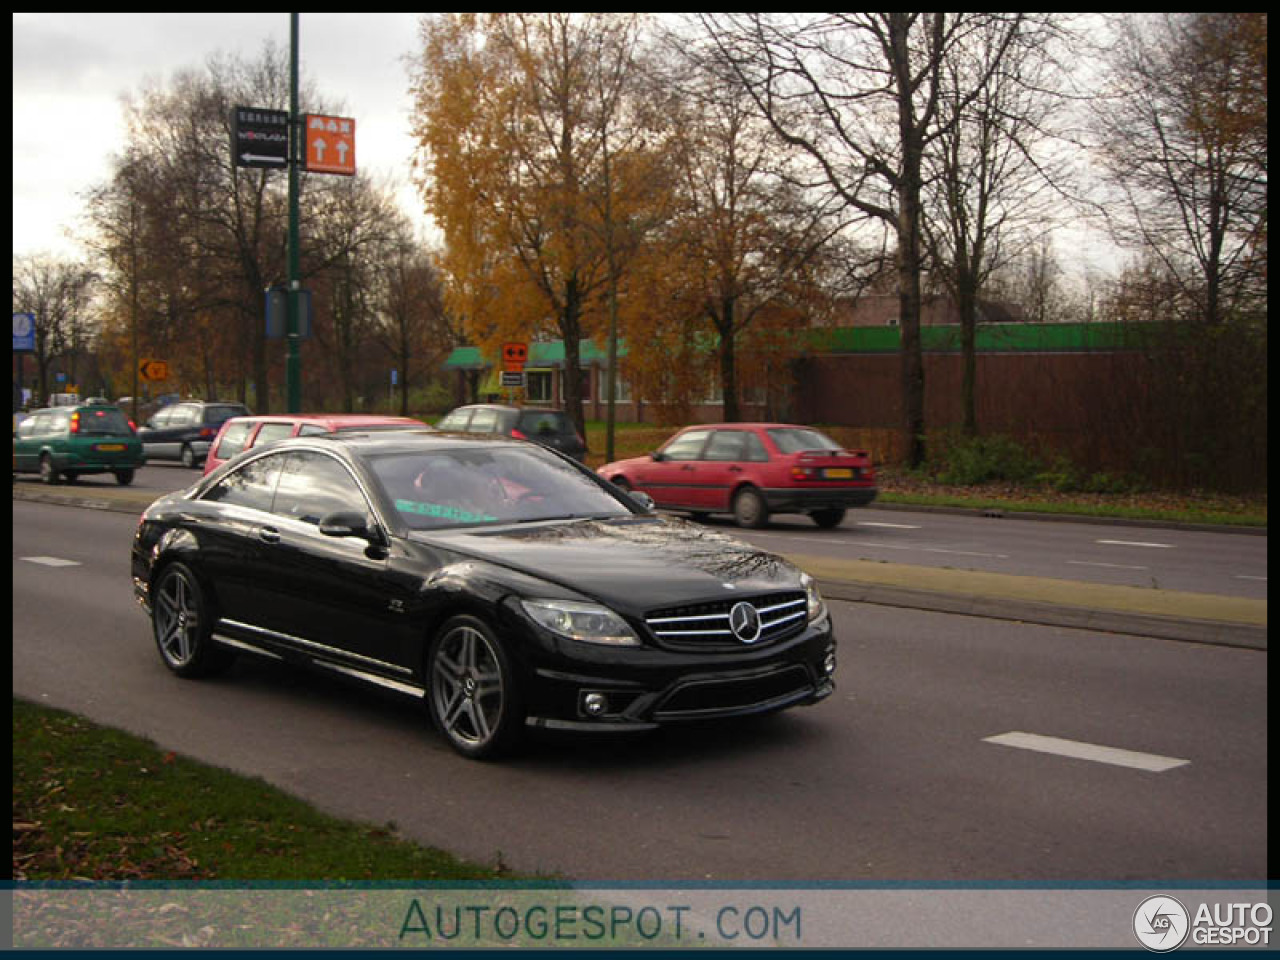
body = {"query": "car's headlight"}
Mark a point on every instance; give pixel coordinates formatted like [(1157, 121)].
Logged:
[(813, 599), (588, 622)]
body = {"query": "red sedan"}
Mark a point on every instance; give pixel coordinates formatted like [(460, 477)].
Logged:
[(751, 470)]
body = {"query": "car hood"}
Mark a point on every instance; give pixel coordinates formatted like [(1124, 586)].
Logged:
[(633, 564)]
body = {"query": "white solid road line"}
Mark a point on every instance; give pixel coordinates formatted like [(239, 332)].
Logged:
[(895, 526), (1115, 566), (1087, 751), (1136, 543)]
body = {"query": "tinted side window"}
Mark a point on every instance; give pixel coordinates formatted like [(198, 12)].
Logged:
[(27, 428), (313, 485), (221, 413), (311, 430), (755, 449), (232, 441), (533, 423), (59, 422), (253, 485), (687, 446)]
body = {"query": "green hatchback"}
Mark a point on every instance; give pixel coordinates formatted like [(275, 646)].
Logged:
[(69, 442)]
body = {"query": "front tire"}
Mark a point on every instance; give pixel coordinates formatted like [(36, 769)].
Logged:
[(48, 473), (827, 519), (124, 477), (472, 692), (183, 625)]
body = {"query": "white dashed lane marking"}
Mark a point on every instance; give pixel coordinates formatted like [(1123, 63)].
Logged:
[(1136, 543), (52, 561), (1079, 750)]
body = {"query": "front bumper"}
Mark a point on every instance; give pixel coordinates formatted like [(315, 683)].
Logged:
[(571, 686)]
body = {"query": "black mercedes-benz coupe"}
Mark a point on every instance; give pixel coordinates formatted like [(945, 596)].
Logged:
[(505, 583)]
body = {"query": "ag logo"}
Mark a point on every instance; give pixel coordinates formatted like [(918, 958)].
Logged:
[(1161, 923)]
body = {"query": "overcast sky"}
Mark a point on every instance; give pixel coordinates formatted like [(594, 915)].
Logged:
[(71, 70)]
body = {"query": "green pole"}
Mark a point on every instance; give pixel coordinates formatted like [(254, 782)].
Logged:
[(293, 360)]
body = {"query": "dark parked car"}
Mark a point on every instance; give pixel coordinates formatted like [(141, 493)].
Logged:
[(184, 431), (506, 585), (244, 433), (751, 470), (71, 442), (551, 428)]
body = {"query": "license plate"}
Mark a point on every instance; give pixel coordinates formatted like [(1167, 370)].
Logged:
[(104, 447), (838, 473)]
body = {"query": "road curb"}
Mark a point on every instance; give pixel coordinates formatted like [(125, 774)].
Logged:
[(1188, 629), (1214, 632)]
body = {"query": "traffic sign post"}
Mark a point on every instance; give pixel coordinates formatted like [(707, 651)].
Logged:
[(260, 137)]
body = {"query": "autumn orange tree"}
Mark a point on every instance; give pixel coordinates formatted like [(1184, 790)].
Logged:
[(517, 166)]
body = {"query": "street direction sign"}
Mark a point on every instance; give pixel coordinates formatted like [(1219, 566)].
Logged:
[(331, 144), (260, 137), (153, 371), (514, 356), (24, 332)]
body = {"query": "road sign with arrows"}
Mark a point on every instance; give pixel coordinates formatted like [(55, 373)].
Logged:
[(331, 144), (260, 138)]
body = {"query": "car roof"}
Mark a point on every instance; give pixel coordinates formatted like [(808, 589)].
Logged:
[(331, 420), (398, 441)]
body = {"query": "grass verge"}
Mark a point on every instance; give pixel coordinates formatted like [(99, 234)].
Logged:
[(92, 803)]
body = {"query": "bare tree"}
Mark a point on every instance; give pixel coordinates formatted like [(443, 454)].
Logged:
[(859, 95), (1183, 131), (57, 293)]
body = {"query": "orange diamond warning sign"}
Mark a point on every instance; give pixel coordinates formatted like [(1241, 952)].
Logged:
[(331, 144)]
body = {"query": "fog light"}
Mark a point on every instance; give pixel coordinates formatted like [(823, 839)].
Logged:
[(594, 704), (829, 664)]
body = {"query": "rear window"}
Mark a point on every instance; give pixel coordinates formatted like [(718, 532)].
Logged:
[(218, 413), (535, 423), (795, 439), (104, 422)]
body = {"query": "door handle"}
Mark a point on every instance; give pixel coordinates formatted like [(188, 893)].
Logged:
[(735, 469), (269, 534)]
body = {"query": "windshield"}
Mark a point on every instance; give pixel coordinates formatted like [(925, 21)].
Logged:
[(454, 488), (104, 422), (795, 439)]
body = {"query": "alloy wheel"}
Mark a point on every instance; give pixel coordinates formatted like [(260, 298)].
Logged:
[(469, 689), (178, 619)]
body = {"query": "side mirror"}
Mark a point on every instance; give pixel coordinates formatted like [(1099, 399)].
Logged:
[(350, 524), (657, 456), (642, 498)]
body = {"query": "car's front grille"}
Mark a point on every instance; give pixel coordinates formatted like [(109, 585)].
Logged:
[(730, 695), (708, 625)]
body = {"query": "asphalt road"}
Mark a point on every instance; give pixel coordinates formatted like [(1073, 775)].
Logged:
[(895, 777), (1219, 562)]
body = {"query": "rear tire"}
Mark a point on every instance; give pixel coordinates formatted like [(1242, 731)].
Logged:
[(189, 457), (473, 695), (182, 623), (124, 477), (749, 509)]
